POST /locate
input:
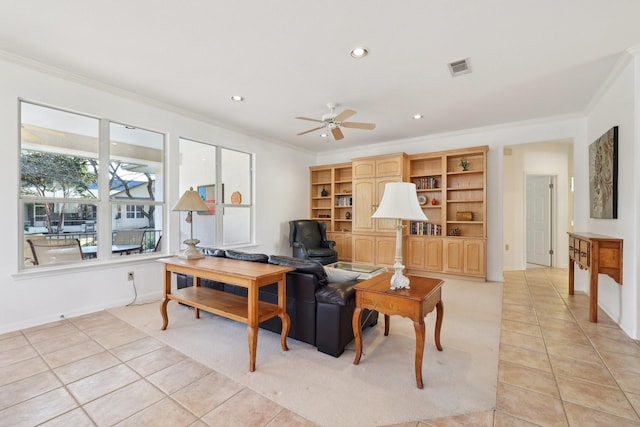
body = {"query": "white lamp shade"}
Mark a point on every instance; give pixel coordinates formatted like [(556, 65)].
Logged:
[(400, 201), (190, 201)]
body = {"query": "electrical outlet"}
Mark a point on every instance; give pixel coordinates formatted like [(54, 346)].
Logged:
[(130, 275)]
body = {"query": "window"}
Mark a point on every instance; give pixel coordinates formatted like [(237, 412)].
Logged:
[(135, 211), (67, 194), (223, 178)]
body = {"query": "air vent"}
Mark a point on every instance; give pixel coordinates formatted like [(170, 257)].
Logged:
[(459, 67)]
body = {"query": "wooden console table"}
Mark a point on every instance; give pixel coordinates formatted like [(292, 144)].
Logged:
[(415, 303), (598, 254), (250, 275)]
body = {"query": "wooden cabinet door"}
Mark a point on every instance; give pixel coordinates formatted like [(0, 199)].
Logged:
[(364, 201), (416, 252), (364, 168), (384, 225), (453, 255), (385, 251), (433, 254), (348, 248), (474, 261), (363, 249), (339, 239), (390, 166)]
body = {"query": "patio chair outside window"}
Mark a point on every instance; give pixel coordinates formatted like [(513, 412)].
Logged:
[(55, 251)]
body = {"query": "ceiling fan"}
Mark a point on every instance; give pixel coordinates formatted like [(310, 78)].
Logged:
[(333, 122)]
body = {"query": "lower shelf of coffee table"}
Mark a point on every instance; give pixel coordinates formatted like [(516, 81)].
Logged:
[(224, 304)]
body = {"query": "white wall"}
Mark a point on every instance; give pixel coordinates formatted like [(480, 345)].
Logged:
[(33, 298), (617, 106)]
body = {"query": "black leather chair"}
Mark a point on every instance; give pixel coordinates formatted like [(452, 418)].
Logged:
[(308, 238)]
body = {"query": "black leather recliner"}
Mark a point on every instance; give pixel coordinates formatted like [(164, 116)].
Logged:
[(308, 238)]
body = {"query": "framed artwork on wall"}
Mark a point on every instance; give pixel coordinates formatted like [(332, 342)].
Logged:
[(603, 176)]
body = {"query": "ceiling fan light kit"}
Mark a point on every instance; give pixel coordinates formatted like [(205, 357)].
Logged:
[(333, 122)]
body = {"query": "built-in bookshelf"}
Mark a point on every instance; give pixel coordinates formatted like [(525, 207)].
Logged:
[(451, 189), (331, 195)]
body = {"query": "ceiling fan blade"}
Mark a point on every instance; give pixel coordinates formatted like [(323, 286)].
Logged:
[(311, 120), (337, 133), (358, 125), (310, 130), (344, 115)]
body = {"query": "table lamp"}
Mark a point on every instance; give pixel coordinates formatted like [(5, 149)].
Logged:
[(399, 202), (189, 202)]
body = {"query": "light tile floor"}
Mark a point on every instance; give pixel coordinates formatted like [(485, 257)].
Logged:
[(555, 369)]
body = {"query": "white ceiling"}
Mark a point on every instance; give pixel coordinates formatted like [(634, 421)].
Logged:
[(530, 59)]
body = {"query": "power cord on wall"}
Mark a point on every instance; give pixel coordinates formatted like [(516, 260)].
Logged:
[(135, 293)]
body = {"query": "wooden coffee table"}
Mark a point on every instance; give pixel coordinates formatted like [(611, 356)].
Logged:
[(415, 303), (249, 310)]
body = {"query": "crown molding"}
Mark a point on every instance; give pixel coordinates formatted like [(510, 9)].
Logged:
[(624, 59)]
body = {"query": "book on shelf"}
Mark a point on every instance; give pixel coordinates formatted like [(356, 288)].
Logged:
[(419, 228)]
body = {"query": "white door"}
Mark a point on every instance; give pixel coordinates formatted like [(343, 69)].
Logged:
[(539, 219)]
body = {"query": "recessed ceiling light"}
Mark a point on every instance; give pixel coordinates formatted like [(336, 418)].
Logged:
[(323, 135), (359, 52), (237, 98), (417, 116)]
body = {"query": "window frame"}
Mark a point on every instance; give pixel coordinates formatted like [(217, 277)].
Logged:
[(223, 197), (103, 201)]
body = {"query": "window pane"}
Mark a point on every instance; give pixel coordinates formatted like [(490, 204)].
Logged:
[(135, 167), (70, 221), (198, 171), (236, 176), (236, 229), (59, 153), (135, 185)]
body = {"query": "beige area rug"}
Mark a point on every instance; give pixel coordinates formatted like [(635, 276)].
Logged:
[(330, 391)]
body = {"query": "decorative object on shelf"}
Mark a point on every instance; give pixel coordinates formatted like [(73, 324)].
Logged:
[(324, 216), (464, 164), (434, 202), (236, 198), (454, 232), (347, 215), (324, 192), (432, 182), (464, 216), (399, 202), (189, 202), (344, 201), (422, 199), (603, 176)]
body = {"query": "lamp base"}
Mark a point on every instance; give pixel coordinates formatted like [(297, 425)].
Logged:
[(399, 280), (191, 252)]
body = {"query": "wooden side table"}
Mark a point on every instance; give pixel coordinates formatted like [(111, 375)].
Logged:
[(415, 303), (250, 310), (598, 254)]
